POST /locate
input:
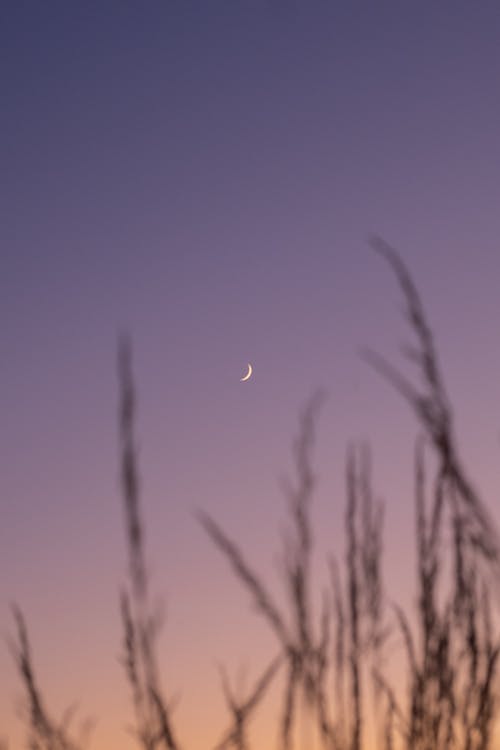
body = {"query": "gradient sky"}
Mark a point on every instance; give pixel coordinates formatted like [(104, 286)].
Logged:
[(206, 174)]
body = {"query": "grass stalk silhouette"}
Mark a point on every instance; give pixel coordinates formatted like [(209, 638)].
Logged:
[(305, 652), (153, 716), (44, 733), (241, 710)]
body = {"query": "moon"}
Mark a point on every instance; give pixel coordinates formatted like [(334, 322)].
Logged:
[(248, 375)]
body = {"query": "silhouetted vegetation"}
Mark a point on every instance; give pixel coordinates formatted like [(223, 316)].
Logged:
[(43, 732), (332, 662)]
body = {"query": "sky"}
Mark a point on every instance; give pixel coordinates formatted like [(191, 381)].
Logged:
[(206, 175)]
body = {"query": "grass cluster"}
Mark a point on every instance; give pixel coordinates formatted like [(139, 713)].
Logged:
[(332, 661)]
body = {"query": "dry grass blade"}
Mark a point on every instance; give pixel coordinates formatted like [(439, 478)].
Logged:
[(241, 568), (242, 710), (44, 733), (304, 651), (339, 659), (432, 406), (353, 596), (154, 724)]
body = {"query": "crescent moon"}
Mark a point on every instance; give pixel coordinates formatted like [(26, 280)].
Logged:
[(249, 373)]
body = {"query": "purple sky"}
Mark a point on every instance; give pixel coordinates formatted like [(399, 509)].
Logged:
[(206, 174)]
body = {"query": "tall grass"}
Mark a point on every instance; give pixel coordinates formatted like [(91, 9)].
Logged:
[(333, 661)]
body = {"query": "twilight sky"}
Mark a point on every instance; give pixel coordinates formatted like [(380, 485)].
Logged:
[(206, 174)]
